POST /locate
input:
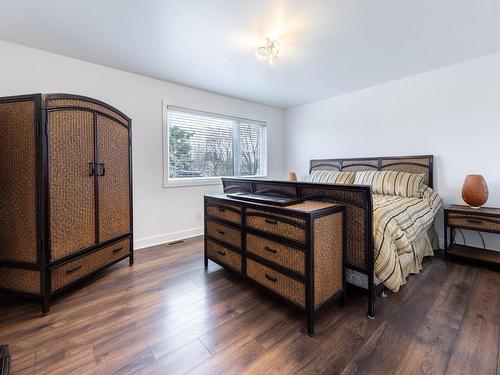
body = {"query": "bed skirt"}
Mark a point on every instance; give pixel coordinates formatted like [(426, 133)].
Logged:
[(423, 246)]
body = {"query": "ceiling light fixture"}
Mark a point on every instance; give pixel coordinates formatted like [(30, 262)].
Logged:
[(270, 51)]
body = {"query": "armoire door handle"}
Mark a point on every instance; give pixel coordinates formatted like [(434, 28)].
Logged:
[(91, 169), (101, 170)]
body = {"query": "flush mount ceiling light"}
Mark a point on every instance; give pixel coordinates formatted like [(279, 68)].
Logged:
[(270, 51)]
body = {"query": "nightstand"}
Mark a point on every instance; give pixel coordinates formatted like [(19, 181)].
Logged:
[(483, 219)]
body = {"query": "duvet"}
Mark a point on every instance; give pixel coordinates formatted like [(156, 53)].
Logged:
[(397, 221)]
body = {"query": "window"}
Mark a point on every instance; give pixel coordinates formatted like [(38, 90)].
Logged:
[(202, 146)]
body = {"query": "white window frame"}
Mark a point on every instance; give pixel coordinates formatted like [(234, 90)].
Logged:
[(206, 181)]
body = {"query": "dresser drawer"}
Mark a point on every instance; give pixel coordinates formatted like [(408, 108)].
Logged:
[(80, 267), (473, 221), (225, 212), (289, 227), (224, 255), (285, 286), (283, 255), (224, 233)]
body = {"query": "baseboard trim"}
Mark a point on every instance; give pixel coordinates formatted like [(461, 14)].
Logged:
[(160, 240)]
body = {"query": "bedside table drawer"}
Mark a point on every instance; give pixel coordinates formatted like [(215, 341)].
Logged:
[(283, 255), (285, 286), (224, 255), (224, 233), (474, 221), (224, 212), (289, 227)]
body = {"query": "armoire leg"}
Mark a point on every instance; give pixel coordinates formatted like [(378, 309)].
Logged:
[(45, 305), (131, 259)]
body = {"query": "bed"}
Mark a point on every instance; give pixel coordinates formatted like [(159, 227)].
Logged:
[(403, 234), (364, 250)]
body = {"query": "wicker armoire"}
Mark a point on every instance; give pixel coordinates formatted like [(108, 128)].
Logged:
[(65, 192)]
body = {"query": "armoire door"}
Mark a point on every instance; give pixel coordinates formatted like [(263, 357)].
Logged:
[(113, 169), (18, 240), (71, 181)]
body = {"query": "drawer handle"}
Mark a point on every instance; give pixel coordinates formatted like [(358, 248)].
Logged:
[(73, 270), (223, 253), (475, 221), (271, 278), (270, 249), (269, 221), (117, 250), (222, 209), (221, 232)]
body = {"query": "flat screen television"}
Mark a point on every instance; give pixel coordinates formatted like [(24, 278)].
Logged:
[(265, 199)]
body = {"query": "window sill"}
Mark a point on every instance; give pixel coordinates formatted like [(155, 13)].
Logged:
[(200, 182), (187, 182)]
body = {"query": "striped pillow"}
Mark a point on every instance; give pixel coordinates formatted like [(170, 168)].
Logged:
[(402, 184), (331, 177)]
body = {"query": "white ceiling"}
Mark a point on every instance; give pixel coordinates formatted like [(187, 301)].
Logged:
[(330, 46)]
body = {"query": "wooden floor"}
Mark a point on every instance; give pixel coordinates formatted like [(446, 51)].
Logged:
[(166, 315)]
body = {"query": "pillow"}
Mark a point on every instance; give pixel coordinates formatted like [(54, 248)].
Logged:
[(331, 177), (402, 184)]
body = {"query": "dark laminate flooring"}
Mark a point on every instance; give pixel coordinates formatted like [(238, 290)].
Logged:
[(166, 315)]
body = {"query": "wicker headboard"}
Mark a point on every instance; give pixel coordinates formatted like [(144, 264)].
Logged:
[(411, 164)]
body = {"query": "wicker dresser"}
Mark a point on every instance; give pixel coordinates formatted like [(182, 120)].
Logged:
[(65, 192), (295, 253)]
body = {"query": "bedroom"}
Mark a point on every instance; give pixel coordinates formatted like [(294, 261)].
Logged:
[(356, 80)]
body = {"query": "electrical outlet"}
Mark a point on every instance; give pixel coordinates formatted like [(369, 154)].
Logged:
[(198, 216)]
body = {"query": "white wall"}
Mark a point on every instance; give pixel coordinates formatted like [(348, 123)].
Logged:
[(453, 113), (160, 214)]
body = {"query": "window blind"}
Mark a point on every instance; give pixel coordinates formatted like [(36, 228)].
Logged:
[(204, 145)]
